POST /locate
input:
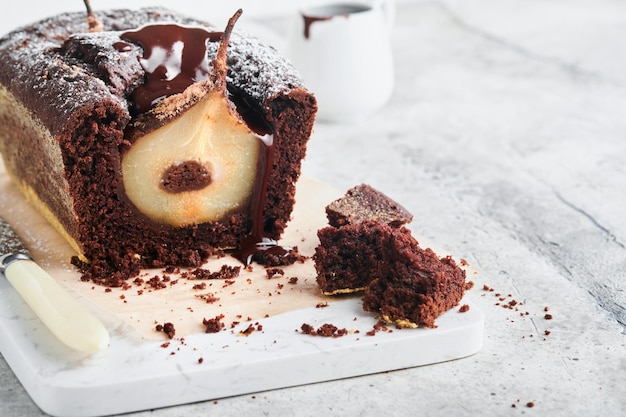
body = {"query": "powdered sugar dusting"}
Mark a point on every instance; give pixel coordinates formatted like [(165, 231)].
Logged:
[(9, 241), (59, 60)]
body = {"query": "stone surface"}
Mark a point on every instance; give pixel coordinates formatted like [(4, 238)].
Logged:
[(505, 139)]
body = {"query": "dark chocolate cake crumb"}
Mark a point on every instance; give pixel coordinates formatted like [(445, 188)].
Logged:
[(325, 330), (213, 325), (272, 271), (201, 286), (307, 329), (157, 283), (210, 298), (225, 272), (167, 328), (380, 326), (464, 308), (248, 330), (280, 258)]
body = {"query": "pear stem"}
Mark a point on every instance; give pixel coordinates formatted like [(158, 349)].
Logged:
[(219, 67), (92, 21)]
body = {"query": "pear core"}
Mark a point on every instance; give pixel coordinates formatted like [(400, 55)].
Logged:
[(210, 134)]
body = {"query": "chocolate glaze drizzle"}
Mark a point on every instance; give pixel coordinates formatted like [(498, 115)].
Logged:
[(174, 58), (257, 242)]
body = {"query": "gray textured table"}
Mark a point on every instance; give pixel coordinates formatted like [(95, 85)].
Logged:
[(506, 137)]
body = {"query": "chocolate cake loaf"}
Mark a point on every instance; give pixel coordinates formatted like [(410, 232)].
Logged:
[(368, 248), (143, 146)]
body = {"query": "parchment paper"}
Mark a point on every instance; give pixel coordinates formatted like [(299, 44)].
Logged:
[(249, 297)]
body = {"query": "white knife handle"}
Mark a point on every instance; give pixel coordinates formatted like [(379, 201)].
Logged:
[(66, 317)]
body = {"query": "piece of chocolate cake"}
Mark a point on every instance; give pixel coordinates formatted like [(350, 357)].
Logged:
[(416, 286), (84, 135), (349, 257), (349, 253), (404, 284)]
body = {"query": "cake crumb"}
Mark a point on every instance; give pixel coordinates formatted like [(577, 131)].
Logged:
[(464, 308), (210, 298), (271, 272), (248, 330), (325, 330), (225, 272), (213, 325), (167, 328)]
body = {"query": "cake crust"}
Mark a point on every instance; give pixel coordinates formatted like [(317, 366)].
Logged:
[(364, 202)]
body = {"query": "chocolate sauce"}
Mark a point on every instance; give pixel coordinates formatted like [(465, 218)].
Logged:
[(323, 13), (122, 46), (309, 20), (174, 57), (257, 242)]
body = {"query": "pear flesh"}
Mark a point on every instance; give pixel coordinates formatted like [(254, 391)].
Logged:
[(210, 134)]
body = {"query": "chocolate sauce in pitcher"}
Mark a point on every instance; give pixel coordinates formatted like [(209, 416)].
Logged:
[(328, 12)]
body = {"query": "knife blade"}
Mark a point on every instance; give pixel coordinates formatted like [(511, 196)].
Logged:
[(64, 315)]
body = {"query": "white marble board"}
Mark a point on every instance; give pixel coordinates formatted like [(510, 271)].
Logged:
[(135, 374), (142, 369)]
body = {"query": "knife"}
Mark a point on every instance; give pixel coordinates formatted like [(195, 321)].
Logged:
[(66, 317)]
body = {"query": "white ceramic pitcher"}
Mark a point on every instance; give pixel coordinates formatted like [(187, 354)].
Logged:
[(343, 52)]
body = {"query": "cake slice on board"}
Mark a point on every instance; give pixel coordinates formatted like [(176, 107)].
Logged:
[(368, 248)]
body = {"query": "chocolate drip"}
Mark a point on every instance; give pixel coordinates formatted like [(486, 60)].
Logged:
[(122, 46), (174, 58), (257, 242)]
